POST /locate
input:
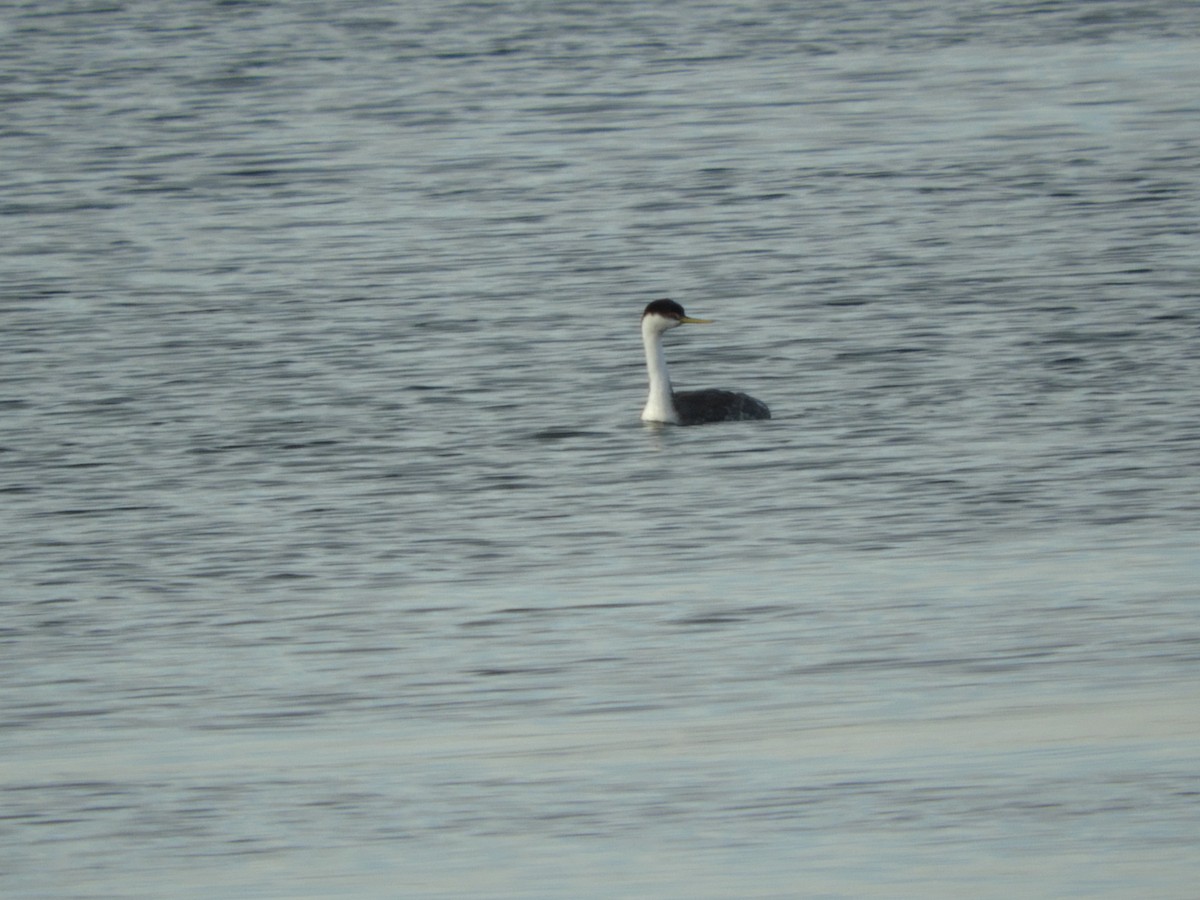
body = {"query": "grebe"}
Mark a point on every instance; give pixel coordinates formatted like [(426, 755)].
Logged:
[(686, 407)]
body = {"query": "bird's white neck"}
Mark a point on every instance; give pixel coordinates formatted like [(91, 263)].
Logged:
[(660, 407)]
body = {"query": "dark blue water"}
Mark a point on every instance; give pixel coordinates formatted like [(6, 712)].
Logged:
[(336, 561)]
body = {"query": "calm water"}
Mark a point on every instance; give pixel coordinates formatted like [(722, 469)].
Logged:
[(337, 562)]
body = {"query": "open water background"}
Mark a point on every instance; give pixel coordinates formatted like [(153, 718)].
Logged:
[(336, 561)]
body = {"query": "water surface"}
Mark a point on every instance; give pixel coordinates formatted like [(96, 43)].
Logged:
[(337, 562)]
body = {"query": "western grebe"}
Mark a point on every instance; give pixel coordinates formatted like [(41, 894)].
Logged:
[(685, 407)]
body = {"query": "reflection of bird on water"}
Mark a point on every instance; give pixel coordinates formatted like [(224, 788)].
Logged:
[(685, 407)]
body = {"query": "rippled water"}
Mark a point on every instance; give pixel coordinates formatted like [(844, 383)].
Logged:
[(337, 562)]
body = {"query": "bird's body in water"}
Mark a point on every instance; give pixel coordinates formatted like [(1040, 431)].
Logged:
[(685, 407)]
